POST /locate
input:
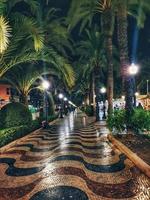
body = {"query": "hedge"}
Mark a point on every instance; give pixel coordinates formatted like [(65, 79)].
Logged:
[(15, 114), (8, 135), (139, 120)]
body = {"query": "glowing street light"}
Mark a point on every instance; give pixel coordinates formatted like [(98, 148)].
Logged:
[(61, 96), (45, 85), (103, 90), (65, 99), (133, 69), (123, 97), (136, 94)]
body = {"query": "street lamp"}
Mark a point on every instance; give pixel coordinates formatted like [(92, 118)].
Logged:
[(133, 70), (45, 86), (136, 94), (103, 91), (65, 99), (65, 105), (61, 96), (147, 86)]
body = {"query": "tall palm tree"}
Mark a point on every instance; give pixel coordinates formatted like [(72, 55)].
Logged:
[(123, 48), (125, 7), (84, 11), (107, 19), (23, 78), (91, 50)]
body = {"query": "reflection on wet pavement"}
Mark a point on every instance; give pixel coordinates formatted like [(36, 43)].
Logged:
[(72, 160)]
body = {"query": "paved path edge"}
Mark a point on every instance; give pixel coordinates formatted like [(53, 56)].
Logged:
[(9, 145), (143, 166)]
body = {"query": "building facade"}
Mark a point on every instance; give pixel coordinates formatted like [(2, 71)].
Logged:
[(5, 94)]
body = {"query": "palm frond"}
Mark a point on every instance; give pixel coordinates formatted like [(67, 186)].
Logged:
[(5, 34), (29, 26)]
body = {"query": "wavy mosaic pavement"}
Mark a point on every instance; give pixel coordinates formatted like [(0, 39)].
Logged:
[(72, 160)]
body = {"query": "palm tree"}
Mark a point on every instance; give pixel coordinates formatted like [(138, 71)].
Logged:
[(84, 11), (124, 8), (91, 50), (23, 78), (123, 48), (108, 17), (22, 51)]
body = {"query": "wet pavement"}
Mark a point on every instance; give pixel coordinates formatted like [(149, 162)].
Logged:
[(72, 160)]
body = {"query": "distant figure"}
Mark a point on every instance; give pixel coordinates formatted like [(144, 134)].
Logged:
[(140, 106)]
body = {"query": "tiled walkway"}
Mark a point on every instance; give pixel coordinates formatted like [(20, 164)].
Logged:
[(70, 161)]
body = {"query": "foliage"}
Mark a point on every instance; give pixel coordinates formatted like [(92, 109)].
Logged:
[(9, 134), (32, 41), (89, 110), (15, 114), (4, 34), (116, 120), (50, 117), (139, 120)]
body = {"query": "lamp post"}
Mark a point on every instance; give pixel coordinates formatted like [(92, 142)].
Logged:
[(61, 96), (147, 87), (45, 86), (97, 107), (133, 70), (103, 91), (65, 105)]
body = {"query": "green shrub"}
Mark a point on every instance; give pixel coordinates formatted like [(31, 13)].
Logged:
[(9, 134), (52, 117), (117, 120), (15, 114), (35, 124), (89, 110), (140, 120)]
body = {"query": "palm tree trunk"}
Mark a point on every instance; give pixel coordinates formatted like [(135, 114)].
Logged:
[(123, 48), (24, 99), (92, 91), (97, 81), (51, 104), (108, 29), (87, 100), (110, 80)]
